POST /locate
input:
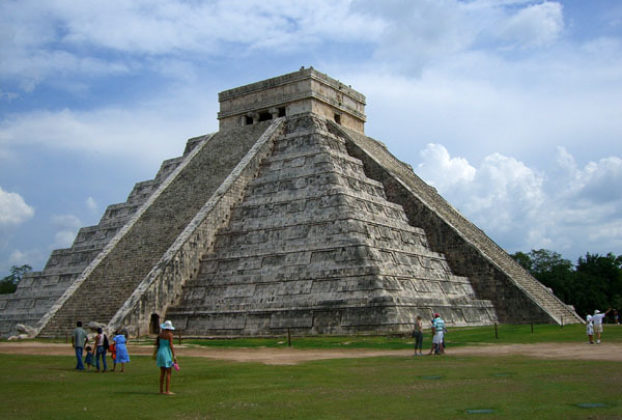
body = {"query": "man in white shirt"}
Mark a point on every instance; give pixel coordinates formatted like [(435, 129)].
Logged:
[(597, 319)]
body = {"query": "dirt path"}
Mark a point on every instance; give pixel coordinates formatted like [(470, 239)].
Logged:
[(272, 356)]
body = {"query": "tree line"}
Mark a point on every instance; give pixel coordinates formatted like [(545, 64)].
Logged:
[(595, 282)]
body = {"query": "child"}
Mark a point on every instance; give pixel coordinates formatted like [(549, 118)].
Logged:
[(113, 355), (89, 357), (589, 328)]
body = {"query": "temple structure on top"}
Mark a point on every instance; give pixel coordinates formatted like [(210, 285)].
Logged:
[(301, 92), (289, 218)]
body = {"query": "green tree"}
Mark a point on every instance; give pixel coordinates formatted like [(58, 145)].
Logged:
[(603, 274), (555, 272), (595, 282), (546, 261), (10, 282), (523, 259), (551, 270)]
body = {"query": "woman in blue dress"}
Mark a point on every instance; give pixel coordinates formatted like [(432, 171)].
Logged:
[(123, 357), (165, 355)]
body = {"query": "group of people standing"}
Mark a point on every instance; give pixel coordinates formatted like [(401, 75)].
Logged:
[(438, 335), (117, 348), (164, 352)]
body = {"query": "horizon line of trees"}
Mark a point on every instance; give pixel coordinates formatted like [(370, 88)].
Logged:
[(594, 282)]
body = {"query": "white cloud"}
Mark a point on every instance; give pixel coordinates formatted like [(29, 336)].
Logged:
[(66, 221), (157, 27), (442, 170), (465, 92), (595, 182), (508, 194), (30, 257), (502, 193), (599, 178), (64, 239), (476, 101), (91, 204), (534, 26), (569, 209), (43, 40), (418, 33), (148, 133), (68, 225), (478, 77), (32, 67), (13, 209)]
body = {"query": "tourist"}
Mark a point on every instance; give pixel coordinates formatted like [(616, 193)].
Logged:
[(78, 341), (113, 354), (89, 357), (165, 356), (597, 319), (589, 328), (431, 352), (418, 335), (101, 345), (438, 327), (122, 356)]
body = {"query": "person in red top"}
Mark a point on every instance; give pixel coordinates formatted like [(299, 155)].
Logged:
[(113, 354)]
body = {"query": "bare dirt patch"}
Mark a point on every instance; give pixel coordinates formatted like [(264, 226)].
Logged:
[(290, 356), (567, 351)]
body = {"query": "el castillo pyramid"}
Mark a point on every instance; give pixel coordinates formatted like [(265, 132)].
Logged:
[(287, 218)]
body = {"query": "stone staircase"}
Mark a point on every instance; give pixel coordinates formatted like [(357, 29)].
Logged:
[(315, 247), (105, 285), (39, 290), (517, 296)]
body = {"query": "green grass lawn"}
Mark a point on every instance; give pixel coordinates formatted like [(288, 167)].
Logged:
[(374, 388), (506, 334), (456, 336), (377, 388)]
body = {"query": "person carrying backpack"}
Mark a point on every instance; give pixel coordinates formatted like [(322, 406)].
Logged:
[(101, 343)]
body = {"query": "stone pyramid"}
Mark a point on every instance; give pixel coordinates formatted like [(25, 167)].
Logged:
[(287, 218)]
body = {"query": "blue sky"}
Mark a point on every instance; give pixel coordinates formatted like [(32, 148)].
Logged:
[(512, 109)]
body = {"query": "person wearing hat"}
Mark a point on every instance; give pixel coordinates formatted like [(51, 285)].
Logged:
[(597, 319), (165, 355)]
